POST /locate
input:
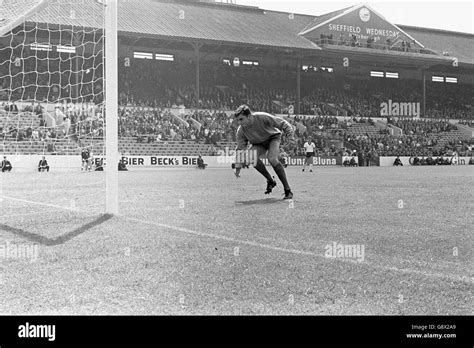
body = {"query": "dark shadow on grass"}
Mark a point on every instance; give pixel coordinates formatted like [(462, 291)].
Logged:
[(59, 240), (260, 201)]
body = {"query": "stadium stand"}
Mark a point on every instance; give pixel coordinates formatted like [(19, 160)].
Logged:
[(267, 90), (164, 111)]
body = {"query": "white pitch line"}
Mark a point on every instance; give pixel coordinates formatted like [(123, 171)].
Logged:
[(464, 279), (41, 203), (71, 187), (60, 207), (91, 184), (28, 214)]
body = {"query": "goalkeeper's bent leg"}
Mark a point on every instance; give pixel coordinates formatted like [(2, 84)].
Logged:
[(280, 172), (259, 151), (273, 152), (263, 170)]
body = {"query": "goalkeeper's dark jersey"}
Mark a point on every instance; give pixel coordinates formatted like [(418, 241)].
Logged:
[(263, 127)]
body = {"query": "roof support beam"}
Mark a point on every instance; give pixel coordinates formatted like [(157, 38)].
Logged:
[(298, 85), (423, 82), (197, 46)]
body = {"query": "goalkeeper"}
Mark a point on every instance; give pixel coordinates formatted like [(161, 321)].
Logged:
[(263, 131)]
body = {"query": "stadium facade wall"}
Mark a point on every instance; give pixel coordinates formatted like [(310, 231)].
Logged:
[(29, 163), (317, 161), (58, 163), (216, 161)]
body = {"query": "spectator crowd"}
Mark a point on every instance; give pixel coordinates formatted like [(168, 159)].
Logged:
[(149, 88)]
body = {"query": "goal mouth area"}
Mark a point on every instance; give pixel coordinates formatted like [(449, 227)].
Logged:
[(48, 214), (53, 88)]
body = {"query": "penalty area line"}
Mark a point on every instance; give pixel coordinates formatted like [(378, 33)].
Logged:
[(30, 214), (463, 279), (42, 204), (59, 207)]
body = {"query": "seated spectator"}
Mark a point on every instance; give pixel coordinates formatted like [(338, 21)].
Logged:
[(39, 110), (447, 161), (11, 107), (353, 162), (122, 167), (29, 108), (6, 165), (200, 162), (99, 165), (398, 162), (43, 165)]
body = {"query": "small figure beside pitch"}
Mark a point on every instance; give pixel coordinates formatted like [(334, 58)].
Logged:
[(43, 165)]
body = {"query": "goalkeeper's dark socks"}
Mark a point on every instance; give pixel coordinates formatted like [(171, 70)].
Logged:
[(263, 170), (280, 171)]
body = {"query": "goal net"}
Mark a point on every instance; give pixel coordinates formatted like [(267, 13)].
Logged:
[(53, 107)]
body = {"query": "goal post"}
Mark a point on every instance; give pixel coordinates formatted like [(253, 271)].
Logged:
[(111, 106), (61, 56)]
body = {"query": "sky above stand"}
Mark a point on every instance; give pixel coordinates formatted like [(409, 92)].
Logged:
[(453, 16)]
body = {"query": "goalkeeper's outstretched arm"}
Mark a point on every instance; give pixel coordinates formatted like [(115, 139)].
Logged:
[(242, 143), (240, 158)]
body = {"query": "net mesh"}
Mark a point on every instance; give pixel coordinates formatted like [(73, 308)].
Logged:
[(51, 77), (51, 103)]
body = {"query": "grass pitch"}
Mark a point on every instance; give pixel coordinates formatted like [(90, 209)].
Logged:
[(204, 242)]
